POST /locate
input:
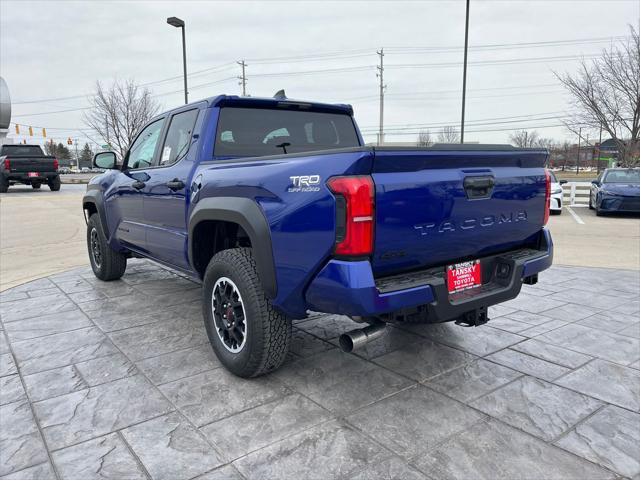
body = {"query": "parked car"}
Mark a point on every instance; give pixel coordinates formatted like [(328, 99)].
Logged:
[(85, 170), (27, 164), (64, 170), (616, 190), (279, 208), (556, 194)]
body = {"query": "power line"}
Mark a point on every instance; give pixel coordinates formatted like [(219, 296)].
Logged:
[(510, 61), (351, 54)]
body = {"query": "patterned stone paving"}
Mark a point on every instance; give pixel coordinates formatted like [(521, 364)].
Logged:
[(117, 380)]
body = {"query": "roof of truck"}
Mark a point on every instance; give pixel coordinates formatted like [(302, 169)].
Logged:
[(280, 102)]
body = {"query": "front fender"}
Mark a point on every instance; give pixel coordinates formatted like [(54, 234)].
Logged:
[(249, 216), (93, 196)]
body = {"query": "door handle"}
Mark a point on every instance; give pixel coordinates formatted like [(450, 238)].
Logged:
[(175, 184), (138, 185)]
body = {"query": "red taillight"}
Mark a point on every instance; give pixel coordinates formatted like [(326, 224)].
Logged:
[(7, 164), (547, 196), (354, 214), (55, 164)]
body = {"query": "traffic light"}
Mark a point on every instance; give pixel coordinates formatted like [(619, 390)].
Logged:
[(69, 141), (31, 131), (44, 132), (17, 129)]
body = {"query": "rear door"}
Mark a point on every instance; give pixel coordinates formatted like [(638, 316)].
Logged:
[(439, 207), (165, 191)]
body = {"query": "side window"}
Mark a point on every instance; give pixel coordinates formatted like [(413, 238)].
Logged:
[(142, 150), (178, 138)]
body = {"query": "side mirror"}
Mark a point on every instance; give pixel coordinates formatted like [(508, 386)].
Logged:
[(562, 182), (106, 160), (595, 182)]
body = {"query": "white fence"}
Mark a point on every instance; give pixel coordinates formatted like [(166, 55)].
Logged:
[(576, 193)]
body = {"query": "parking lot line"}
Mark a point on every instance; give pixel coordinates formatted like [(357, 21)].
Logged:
[(575, 216)]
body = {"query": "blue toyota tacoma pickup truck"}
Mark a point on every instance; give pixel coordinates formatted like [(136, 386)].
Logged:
[(279, 208)]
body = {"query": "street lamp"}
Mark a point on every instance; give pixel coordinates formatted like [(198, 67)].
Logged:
[(464, 71), (176, 22)]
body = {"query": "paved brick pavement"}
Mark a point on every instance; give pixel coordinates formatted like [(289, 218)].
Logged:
[(117, 380)]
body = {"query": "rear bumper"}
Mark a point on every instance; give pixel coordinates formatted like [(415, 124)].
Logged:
[(349, 288), (23, 177)]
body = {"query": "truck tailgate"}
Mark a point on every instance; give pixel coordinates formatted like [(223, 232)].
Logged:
[(24, 164), (436, 207)]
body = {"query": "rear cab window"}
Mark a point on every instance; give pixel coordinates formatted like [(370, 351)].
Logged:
[(253, 132), (30, 150)]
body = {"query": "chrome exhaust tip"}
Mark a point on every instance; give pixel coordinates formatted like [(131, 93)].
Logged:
[(359, 337)]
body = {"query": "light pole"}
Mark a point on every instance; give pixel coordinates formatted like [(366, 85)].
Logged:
[(464, 71), (176, 22)]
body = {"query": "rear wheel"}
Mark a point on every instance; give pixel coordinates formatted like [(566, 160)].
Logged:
[(247, 334), (54, 183), (106, 263)]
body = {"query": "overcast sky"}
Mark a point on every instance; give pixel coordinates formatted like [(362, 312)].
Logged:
[(325, 51)]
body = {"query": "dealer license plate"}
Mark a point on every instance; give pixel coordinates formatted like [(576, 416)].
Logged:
[(33, 174), (463, 276)]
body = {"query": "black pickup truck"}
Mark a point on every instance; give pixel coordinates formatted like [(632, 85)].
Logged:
[(29, 165)]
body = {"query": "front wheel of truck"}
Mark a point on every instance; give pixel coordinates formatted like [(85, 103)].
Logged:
[(249, 337), (106, 263)]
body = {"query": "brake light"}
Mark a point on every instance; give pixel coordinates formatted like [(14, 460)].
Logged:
[(7, 164), (354, 214), (547, 196), (55, 164)]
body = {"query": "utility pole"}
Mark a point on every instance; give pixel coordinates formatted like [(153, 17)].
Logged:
[(243, 78), (578, 158), (106, 123), (380, 75), (464, 72), (75, 142), (599, 146)]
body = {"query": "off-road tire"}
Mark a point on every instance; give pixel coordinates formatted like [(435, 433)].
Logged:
[(112, 264), (54, 183), (268, 332)]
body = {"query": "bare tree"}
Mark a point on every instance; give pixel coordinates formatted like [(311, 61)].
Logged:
[(606, 94), (424, 139), (118, 112), (524, 139), (449, 134)]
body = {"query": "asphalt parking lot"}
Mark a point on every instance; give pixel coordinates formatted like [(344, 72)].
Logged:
[(117, 380)]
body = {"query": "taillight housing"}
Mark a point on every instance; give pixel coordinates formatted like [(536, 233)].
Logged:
[(355, 208), (547, 196), (55, 164), (7, 164)]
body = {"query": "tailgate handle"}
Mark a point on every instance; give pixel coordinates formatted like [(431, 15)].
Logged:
[(478, 187)]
